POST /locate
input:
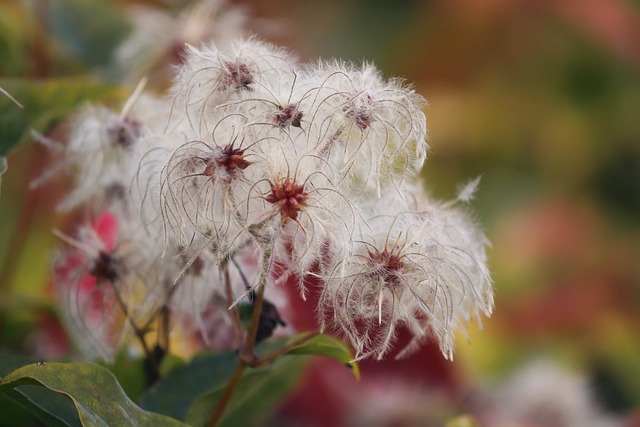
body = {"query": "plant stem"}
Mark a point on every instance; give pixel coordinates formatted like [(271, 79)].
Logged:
[(247, 356), (282, 350), (255, 321), (165, 322), (228, 391), (153, 357), (125, 310), (235, 317), (242, 364)]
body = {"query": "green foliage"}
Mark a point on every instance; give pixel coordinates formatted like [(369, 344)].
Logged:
[(256, 395), (130, 373), (12, 414), (88, 394), (51, 408), (98, 398), (324, 345), (191, 392), (48, 406), (261, 389), (173, 395)]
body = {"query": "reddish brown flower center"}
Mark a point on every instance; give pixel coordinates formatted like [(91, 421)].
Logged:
[(230, 160), (360, 114), (125, 133), (238, 75), (289, 197), (104, 267), (288, 116), (386, 265)]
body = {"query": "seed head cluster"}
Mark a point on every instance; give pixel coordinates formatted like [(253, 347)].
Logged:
[(254, 160)]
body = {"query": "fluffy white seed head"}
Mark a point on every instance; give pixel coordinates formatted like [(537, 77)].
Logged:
[(424, 270), (373, 131), (305, 171), (103, 279), (211, 76), (99, 154), (206, 188), (105, 147)]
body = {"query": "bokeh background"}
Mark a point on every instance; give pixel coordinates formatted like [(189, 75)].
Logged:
[(539, 97)]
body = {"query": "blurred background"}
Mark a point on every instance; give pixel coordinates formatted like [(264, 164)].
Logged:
[(539, 97)]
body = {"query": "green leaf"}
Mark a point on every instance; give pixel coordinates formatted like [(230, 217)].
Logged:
[(190, 392), (130, 374), (12, 414), (90, 30), (95, 392), (174, 394), (45, 104), (255, 397), (49, 407), (327, 346), (170, 363)]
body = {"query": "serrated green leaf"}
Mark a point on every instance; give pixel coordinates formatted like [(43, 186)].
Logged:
[(94, 390), (89, 30), (173, 395), (45, 104), (255, 397), (327, 346)]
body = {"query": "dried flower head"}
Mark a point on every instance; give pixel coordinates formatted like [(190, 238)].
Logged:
[(289, 197), (213, 76), (86, 277), (422, 270), (302, 170), (98, 153), (371, 130)]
